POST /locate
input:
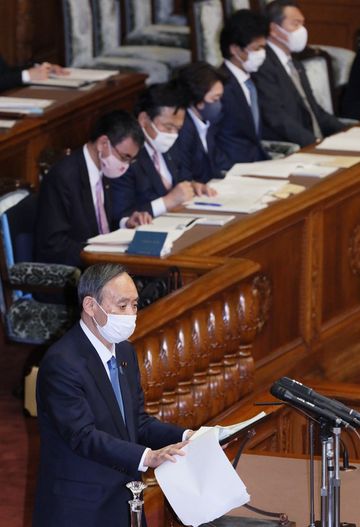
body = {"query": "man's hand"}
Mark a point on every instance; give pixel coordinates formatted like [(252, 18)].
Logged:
[(138, 218), (201, 189), (154, 458), (178, 195), (42, 71)]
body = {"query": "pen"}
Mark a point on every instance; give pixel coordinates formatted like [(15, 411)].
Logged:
[(205, 204)]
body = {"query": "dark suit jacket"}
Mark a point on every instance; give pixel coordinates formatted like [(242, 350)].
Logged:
[(87, 454), (196, 163), (10, 77), (284, 114), (351, 102), (66, 213), (141, 184), (236, 135)]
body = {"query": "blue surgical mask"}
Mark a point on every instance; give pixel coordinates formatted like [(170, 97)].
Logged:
[(211, 111)]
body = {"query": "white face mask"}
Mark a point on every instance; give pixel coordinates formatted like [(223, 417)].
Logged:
[(163, 140), (111, 166), (117, 327), (296, 40), (254, 61)]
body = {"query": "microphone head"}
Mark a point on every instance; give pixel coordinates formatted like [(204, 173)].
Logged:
[(278, 391)]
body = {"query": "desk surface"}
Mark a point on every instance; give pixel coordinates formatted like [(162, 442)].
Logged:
[(281, 484)]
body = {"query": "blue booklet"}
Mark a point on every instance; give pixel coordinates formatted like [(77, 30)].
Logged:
[(148, 243)]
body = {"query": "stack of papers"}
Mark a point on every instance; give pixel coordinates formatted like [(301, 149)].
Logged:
[(7, 123), (323, 160), (119, 240), (283, 168), (24, 105), (348, 141), (238, 194), (202, 485), (86, 75)]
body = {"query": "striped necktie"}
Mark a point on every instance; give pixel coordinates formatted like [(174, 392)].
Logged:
[(114, 378)]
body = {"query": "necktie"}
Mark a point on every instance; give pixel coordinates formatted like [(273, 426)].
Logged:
[(100, 210), (156, 160), (295, 77), (114, 377), (254, 105)]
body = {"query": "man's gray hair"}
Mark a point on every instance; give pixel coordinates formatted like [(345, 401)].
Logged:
[(95, 277)]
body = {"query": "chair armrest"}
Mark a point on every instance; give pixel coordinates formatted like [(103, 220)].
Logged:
[(43, 274)]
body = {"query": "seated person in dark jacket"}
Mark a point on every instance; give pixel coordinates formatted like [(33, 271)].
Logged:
[(12, 77), (155, 183), (351, 102), (75, 196), (242, 43), (201, 158), (288, 107)]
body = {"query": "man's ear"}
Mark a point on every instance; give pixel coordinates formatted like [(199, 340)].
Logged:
[(274, 30), (143, 119), (88, 305), (235, 50), (102, 144)]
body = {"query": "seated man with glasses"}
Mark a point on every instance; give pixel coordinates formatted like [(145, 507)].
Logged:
[(155, 183), (75, 196)]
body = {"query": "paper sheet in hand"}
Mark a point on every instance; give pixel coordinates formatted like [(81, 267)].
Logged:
[(202, 485), (225, 433)]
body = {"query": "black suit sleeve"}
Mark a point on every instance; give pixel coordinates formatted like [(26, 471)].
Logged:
[(351, 102), (9, 77), (127, 197)]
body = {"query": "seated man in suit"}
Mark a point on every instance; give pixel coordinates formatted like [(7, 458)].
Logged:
[(289, 109), (75, 196), (95, 433), (242, 43), (201, 158), (156, 183), (12, 77), (350, 106)]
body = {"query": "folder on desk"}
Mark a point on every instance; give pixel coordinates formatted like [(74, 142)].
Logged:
[(24, 105)]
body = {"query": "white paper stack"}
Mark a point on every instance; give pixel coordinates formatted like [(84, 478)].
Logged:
[(202, 485), (86, 74), (24, 105), (348, 141)]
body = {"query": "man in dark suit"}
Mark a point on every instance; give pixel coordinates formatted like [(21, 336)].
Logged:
[(242, 41), (75, 196), (201, 157), (289, 109), (12, 77), (95, 433), (156, 183), (350, 106)]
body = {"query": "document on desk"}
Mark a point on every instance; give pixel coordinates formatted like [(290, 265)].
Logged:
[(282, 168), (60, 82), (24, 105), (323, 160), (237, 194), (348, 141), (7, 123), (202, 485), (86, 74)]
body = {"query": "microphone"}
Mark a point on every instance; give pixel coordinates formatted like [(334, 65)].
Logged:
[(338, 408), (285, 395)]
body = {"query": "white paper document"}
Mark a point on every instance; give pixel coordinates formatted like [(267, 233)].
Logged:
[(86, 75), (237, 194), (348, 141), (204, 219), (224, 432), (323, 160), (202, 485), (7, 123), (24, 105), (60, 82), (282, 168)]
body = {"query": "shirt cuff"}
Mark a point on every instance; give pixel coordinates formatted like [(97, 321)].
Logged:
[(142, 467), (25, 76), (185, 434), (158, 207), (122, 223)]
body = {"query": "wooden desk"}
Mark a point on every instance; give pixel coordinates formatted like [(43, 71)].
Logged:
[(65, 124), (308, 247)]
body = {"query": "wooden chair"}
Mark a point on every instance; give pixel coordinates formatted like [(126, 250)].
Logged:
[(206, 21)]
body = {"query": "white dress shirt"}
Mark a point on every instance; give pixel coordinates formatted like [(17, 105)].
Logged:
[(94, 175), (201, 127), (282, 56), (241, 76)]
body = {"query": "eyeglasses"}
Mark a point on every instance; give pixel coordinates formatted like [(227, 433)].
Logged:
[(124, 157)]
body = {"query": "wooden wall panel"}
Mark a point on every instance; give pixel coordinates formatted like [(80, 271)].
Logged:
[(332, 22)]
